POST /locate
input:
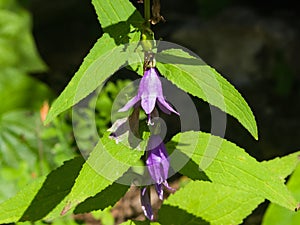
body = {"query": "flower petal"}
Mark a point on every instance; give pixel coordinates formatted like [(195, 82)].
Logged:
[(165, 107), (159, 191), (129, 104), (148, 103), (157, 161), (146, 203)]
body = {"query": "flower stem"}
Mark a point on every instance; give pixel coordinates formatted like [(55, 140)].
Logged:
[(147, 34), (147, 12)]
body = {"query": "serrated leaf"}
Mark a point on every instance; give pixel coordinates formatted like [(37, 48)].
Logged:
[(224, 204), (103, 60), (197, 78), (57, 185), (276, 215), (13, 208), (114, 11), (41, 195), (107, 197), (215, 203), (106, 57), (283, 166), (107, 162), (229, 165)]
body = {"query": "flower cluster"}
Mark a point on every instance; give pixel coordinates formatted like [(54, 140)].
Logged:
[(150, 95)]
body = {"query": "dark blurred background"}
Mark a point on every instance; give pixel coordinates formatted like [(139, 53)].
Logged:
[(254, 44)]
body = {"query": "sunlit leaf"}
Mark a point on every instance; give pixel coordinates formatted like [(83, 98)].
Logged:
[(197, 78), (107, 55), (107, 162), (39, 197), (277, 215), (229, 165)]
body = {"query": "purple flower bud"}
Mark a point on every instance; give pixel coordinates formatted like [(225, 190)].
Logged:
[(146, 203), (158, 164), (149, 93)]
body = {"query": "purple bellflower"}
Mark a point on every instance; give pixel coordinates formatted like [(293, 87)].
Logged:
[(149, 93), (158, 164)]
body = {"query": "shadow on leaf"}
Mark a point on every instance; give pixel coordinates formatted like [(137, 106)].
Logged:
[(189, 168), (57, 185), (170, 215), (108, 197)]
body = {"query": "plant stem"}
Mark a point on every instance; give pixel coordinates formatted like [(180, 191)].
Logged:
[(147, 12)]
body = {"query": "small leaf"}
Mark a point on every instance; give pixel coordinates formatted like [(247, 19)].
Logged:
[(197, 78)]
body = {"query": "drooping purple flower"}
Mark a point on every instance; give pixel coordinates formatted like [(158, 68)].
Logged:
[(149, 93), (158, 164), (146, 202)]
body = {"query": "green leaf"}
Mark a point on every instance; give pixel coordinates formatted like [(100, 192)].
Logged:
[(105, 216), (13, 208), (107, 162), (170, 215), (107, 197), (284, 166), (111, 12), (227, 164), (17, 90), (40, 196), (17, 45), (132, 222), (106, 57), (197, 78), (23, 152), (102, 61), (57, 185), (215, 203), (276, 215), (225, 204)]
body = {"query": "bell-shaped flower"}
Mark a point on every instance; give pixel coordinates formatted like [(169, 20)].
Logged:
[(149, 93), (158, 164), (146, 202)]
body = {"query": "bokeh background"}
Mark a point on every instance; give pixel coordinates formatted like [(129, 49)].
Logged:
[(254, 44)]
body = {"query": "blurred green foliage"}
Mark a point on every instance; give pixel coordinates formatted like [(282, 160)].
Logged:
[(27, 148)]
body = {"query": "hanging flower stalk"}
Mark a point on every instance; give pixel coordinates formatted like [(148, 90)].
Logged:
[(149, 97)]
